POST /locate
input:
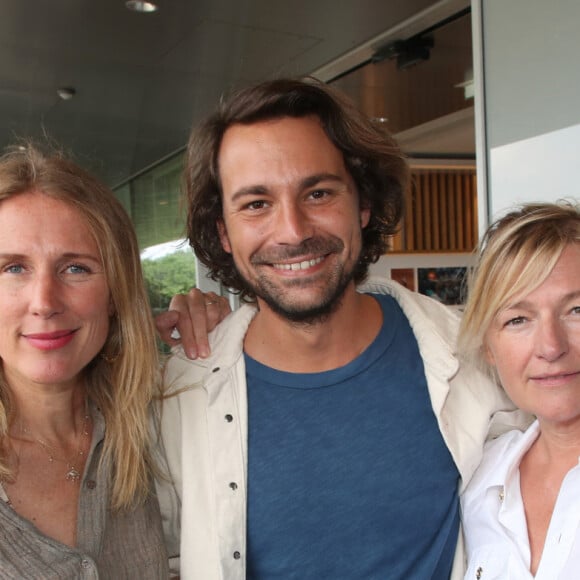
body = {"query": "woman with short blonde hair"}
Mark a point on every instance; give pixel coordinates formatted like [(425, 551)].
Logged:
[(522, 325)]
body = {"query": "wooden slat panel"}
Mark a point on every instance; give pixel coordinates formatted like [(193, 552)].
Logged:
[(468, 214), (458, 195), (441, 213), (426, 200), (420, 212), (436, 212), (475, 214), (410, 214), (452, 187)]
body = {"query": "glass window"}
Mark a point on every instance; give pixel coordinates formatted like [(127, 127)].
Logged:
[(153, 200)]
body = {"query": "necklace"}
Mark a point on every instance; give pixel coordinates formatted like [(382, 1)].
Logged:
[(73, 473)]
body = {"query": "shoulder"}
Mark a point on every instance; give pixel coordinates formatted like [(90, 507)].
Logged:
[(226, 344), (229, 334), (422, 311)]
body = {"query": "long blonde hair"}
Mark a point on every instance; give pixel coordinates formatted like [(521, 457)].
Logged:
[(516, 255), (123, 378)]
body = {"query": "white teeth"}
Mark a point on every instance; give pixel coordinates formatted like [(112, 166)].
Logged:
[(299, 265)]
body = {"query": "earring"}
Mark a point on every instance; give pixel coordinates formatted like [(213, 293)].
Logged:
[(109, 358)]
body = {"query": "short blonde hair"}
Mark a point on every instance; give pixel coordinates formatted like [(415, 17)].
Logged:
[(516, 255), (122, 380)]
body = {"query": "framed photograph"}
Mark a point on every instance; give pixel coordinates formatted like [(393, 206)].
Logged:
[(444, 284)]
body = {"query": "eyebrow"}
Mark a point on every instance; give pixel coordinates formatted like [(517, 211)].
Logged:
[(305, 183), (575, 294), (66, 256)]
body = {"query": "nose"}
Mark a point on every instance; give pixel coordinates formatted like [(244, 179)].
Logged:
[(45, 295), (292, 224), (551, 340)]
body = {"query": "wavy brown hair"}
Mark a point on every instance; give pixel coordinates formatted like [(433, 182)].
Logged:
[(371, 156), (121, 387)]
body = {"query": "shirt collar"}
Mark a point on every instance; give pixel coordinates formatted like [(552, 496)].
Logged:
[(507, 458)]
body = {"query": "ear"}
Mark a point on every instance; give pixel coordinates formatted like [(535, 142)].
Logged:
[(224, 239), (365, 216), (112, 310)]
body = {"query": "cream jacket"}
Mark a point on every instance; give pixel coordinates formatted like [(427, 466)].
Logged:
[(204, 433)]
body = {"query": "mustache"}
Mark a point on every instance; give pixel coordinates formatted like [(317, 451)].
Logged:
[(311, 246)]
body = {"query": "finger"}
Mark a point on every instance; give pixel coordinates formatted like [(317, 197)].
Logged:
[(192, 319), (218, 308), (198, 314), (202, 309), (213, 311), (165, 324)]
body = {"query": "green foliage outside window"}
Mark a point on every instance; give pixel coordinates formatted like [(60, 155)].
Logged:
[(167, 276)]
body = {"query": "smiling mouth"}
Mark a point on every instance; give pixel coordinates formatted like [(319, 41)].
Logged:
[(47, 341), (304, 265), (49, 335)]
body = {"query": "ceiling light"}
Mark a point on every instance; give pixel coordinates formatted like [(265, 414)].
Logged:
[(138, 6), (66, 93)]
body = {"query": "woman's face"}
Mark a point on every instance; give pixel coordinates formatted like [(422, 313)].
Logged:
[(54, 298), (534, 344)]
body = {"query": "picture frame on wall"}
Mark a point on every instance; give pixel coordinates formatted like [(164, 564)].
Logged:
[(447, 285)]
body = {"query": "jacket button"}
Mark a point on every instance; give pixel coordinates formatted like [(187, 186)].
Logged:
[(229, 418), (233, 485), (237, 555)]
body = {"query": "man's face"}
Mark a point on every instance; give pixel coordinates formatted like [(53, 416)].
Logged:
[(291, 220)]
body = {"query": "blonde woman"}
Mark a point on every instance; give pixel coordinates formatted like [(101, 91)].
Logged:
[(78, 369), (521, 510)]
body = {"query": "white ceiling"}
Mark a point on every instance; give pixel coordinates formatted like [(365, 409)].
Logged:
[(141, 80)]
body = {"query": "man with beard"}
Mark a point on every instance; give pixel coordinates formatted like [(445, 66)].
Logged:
[(329, 432)]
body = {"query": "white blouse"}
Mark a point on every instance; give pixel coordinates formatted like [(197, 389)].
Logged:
[(495, 524)]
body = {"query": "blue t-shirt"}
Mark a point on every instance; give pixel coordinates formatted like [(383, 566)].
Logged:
[(348, 474)]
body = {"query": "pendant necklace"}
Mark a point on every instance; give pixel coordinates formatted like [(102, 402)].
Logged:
[(73, 473)]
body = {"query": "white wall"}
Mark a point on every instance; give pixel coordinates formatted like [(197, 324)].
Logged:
[(529, 52), (387, 262)]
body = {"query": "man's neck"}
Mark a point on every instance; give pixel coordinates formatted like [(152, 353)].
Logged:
[(328, 344)]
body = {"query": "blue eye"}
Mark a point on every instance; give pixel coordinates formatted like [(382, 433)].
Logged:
[(77, 269), (517, 321), (14, 269)]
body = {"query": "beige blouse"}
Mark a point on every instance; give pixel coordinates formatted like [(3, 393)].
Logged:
[(111, 545)]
